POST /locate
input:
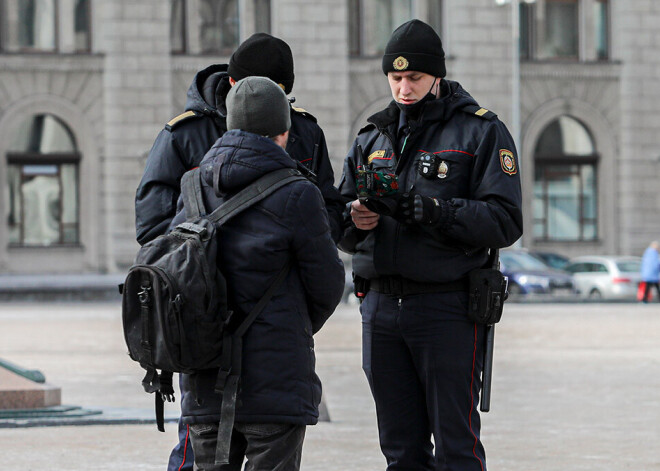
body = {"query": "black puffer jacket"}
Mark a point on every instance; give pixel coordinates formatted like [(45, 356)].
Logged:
[(278, 382), (479, 178), (186, 139)]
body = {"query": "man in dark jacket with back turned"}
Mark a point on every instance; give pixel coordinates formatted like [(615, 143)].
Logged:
[(279, 390), (458, 195), (186, 138)]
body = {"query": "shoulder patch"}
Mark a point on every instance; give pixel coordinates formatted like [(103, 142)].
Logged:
[(178, 119), (303, 112), (479, 111)]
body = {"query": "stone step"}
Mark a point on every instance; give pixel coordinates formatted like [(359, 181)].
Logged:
[(17, 392)]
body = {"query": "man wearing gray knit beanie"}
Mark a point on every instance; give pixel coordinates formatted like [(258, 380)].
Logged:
[(258, 105), (279, 392)]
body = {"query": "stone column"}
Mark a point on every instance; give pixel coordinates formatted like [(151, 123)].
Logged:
[(318, 36), (637, 46), (137, 83), (478, 44)]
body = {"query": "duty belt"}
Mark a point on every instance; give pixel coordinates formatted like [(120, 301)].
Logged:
[(399, 286)]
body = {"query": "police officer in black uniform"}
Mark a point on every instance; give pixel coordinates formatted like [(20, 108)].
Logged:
[(184, 141), (452, 192), (186, 138)]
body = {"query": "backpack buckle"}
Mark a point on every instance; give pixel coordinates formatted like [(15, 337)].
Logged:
[(143, 296)]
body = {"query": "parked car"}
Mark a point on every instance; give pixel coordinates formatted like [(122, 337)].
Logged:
[(606, 277), (530, 278), (552, 259)]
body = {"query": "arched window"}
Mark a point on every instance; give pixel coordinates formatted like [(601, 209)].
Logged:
[(565, 183), (42, 164)]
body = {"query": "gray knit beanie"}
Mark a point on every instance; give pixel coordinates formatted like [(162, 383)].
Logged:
[(258, 105)]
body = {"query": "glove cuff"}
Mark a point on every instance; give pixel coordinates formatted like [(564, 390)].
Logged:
[(434, 211)]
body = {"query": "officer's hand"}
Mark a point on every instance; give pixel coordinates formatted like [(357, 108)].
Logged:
[(418, 209), (363, 217)]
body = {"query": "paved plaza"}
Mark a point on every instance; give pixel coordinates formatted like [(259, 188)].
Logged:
[(576, 387)]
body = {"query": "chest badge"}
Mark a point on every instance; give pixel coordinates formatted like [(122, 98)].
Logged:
[(443, 169)]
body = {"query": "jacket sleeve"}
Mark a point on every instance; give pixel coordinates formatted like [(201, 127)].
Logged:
[(321, 270), (157, 193), (351, 235), (492, 216), (326, 182)]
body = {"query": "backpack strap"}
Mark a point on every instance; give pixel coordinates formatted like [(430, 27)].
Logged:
[(191, 191), (253, 193), (230, 370), (193, 202)]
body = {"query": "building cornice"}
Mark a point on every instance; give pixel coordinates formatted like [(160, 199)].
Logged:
[(51, 62), (570, 70)]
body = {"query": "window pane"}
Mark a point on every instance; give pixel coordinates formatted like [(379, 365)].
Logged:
[(435, 15), (29, 24), (354, 27), (82, 29), (526, 31), (178, 26), (601, 29), (41, 198), (14, 216), (561, 29), (565, 136), (69, 174), (589, 231), (219, 30), (563, 204), (538, 204), (262, 16), (381, 17), (43, 134), (589, 191)]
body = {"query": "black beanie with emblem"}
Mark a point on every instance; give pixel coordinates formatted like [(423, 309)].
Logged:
[(415, 46), (263, 55)]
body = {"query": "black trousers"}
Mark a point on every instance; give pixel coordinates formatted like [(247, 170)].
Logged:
[(267, 447), (423, 360)]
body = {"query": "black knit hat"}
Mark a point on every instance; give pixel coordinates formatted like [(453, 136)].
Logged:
[(263, 55), (415, 46)]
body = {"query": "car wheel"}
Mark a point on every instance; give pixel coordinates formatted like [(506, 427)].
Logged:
[(595, 295)]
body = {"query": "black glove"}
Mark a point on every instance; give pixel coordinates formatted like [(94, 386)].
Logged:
[(383, 205), (418, 209), (433, 211), (412, 209)]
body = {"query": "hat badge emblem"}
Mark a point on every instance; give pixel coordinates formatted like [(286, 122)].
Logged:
[(400, 63)]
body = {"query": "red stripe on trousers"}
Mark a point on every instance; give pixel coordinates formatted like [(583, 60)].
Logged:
[(474, 360)]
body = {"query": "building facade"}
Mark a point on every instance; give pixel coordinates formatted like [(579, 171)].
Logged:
[(86, 85)]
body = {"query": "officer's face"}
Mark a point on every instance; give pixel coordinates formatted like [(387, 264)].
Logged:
[(410, 86)]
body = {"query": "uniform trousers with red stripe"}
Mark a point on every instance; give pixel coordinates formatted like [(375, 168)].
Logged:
[(423, 360)]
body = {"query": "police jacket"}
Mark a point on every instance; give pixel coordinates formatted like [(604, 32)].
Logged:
[(477, 173), (278, 382), (184, 141)]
